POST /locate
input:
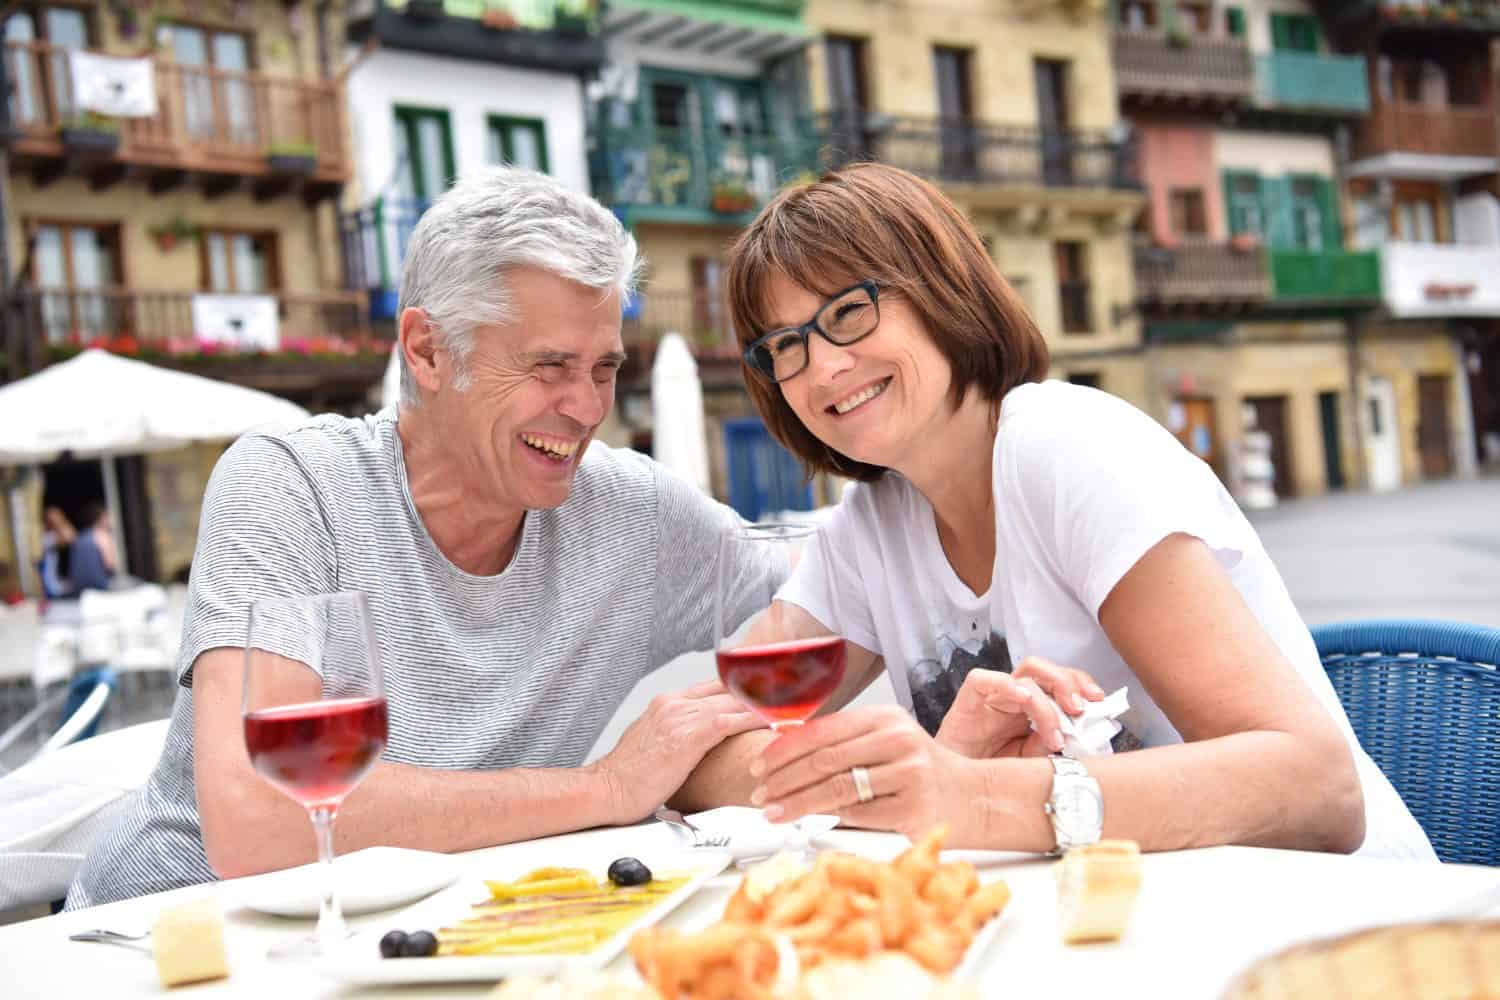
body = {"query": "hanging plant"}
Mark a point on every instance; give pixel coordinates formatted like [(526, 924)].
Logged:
[(168, 234)]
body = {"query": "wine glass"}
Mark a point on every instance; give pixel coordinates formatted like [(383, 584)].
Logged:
[(777, 658), (315, 718)]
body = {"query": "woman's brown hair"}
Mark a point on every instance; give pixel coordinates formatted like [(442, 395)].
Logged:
[(882, 223)]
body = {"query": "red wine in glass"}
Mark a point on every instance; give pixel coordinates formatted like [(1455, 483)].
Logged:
[(784, 682), (316, 752)]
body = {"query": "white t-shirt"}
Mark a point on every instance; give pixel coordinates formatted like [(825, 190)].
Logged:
[(1085, 484)]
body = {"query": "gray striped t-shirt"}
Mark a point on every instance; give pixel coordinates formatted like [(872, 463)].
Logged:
[(522, 669)]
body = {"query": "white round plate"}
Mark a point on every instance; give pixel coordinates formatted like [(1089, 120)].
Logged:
[(376, 878)]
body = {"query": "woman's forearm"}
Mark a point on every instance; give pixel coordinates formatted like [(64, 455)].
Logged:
[(1266, 789)]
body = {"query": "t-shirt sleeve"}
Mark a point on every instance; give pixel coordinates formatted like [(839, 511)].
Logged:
[(263, 533), (691, 526), (1100, 489), (827, 582)]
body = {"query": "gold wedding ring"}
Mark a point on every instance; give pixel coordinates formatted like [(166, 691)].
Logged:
[(862, 789)]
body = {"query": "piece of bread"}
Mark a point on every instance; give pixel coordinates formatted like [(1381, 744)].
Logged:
[(1096, 889), (188, 943)]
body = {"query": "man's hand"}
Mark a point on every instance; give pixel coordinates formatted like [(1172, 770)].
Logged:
[(661, 748), (993, 712)]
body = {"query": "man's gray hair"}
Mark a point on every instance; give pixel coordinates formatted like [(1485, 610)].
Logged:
[(488, 223)]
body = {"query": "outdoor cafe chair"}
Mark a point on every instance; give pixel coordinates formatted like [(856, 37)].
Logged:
[(1424, 700)]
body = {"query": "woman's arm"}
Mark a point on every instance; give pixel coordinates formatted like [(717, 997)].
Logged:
[(1264, 763)]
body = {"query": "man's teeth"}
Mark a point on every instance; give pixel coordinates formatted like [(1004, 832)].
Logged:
[(864, 395), (562, 449)]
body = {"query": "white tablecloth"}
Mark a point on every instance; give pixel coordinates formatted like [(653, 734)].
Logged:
[(1202, 916)]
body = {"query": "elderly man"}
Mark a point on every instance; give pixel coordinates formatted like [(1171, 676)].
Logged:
[(521, 582)]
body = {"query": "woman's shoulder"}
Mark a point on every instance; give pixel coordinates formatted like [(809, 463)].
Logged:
[(1059, 421)]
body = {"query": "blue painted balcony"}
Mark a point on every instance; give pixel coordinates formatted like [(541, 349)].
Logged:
[(1313, 82), (374, 241)]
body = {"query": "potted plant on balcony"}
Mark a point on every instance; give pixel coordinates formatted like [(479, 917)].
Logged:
[(90, 134), (427, 9), (168, 234), (499, 17), (292, 158), (574, 18), (1245, 242), (731, 196)]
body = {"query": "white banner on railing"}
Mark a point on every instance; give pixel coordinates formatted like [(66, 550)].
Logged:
[(110, 85), (244, 322)]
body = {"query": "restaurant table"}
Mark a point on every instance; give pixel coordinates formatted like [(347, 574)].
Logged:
[(1201, 917)]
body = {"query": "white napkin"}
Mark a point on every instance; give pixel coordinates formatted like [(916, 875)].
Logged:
[(751, 835), (1088, 734)]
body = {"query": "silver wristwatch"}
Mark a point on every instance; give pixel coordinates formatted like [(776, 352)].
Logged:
[(1076, 806)]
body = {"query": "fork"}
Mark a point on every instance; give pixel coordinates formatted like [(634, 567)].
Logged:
[(113, 937), (701, 838)]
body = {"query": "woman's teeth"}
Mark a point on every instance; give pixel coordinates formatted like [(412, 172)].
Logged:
[(558, 449), (863, 396)]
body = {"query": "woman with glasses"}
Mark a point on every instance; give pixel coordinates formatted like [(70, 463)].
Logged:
[(997, 521)]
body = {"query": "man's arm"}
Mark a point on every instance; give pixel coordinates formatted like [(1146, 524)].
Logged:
[(245, 821)]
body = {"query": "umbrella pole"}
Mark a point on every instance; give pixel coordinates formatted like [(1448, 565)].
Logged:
[(116, 514)]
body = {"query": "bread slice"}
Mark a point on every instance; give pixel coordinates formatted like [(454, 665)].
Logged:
[(187, 942), (1096, 889)]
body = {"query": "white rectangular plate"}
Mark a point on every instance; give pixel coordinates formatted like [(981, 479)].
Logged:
[(360, 961)]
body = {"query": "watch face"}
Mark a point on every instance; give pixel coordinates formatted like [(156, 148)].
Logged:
[(1079, 810)]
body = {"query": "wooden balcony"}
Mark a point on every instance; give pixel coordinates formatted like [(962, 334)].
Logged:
[(221, 129), (320, 335), (1399, 127), (1201, 276), (1152, 70)]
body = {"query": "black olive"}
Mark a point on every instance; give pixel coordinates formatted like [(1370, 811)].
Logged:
[(392, 943), (629, 871), (419, 944)]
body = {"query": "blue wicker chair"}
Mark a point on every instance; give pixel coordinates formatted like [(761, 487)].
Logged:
[(1424, 699)]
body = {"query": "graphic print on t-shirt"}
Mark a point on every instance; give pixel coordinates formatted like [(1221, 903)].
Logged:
[(935, 682)]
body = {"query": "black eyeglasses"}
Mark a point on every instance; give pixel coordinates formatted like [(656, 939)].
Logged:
[(846, 317)]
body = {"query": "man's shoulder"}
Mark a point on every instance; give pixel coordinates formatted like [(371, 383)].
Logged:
[(615, 475), (328, 446)]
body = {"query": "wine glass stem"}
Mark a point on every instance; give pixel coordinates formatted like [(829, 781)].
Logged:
[(331, 930)]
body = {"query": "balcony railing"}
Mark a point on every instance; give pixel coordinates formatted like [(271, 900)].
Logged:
[(1151, 67), (1438, 279), (157, 322), (1397, 126), (687, 169), (1325, 276), (1313, 81), (374, 242), (965, 151), (701, 318), (1442, 13), (557, 35), (209, 120), (1201, 273)]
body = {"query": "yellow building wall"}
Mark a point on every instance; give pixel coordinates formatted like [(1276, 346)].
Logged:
[(1005, 39), (175, 482), (1267, 361), (669, 251), (1403, 352)]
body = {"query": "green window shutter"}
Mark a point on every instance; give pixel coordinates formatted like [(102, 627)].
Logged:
[(1243, 198), (1281, 31), (1236, 21), (1333, 237), (1276, 203)]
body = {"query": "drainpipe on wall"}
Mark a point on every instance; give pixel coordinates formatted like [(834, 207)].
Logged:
[(1353, 324)]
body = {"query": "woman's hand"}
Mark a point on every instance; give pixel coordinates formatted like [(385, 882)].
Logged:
[(916, 782), (993, 713)]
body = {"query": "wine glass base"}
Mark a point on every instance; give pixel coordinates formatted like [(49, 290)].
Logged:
[(307, 947)]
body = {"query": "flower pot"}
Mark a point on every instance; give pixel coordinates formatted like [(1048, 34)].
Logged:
[(499, 19), (292, 164), (1244, 243), (732, 204), (90, 141), (166, 242)]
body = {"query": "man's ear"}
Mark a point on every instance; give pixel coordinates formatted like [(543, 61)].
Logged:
[(419, 349)]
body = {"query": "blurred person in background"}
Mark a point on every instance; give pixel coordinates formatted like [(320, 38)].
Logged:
[(92, 559)]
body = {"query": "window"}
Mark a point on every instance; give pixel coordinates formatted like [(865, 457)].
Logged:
[(1242, 191), (1416, 221), (75, 267), (424, 153), (848, 95), (1050, 78), (1196, 18), (951, 67), (1294, 33), (240, 262), (213, 66), (1234, 21), (1188, 216), (1307, 213), (1073, 287), (673, 105), (710, 308), (32, 86), (521, 142), (1138, 15)]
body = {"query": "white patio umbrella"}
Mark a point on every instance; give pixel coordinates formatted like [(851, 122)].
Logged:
[(99, 405), (677, 439)]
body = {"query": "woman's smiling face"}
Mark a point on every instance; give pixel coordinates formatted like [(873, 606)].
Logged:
[(879, 400)]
